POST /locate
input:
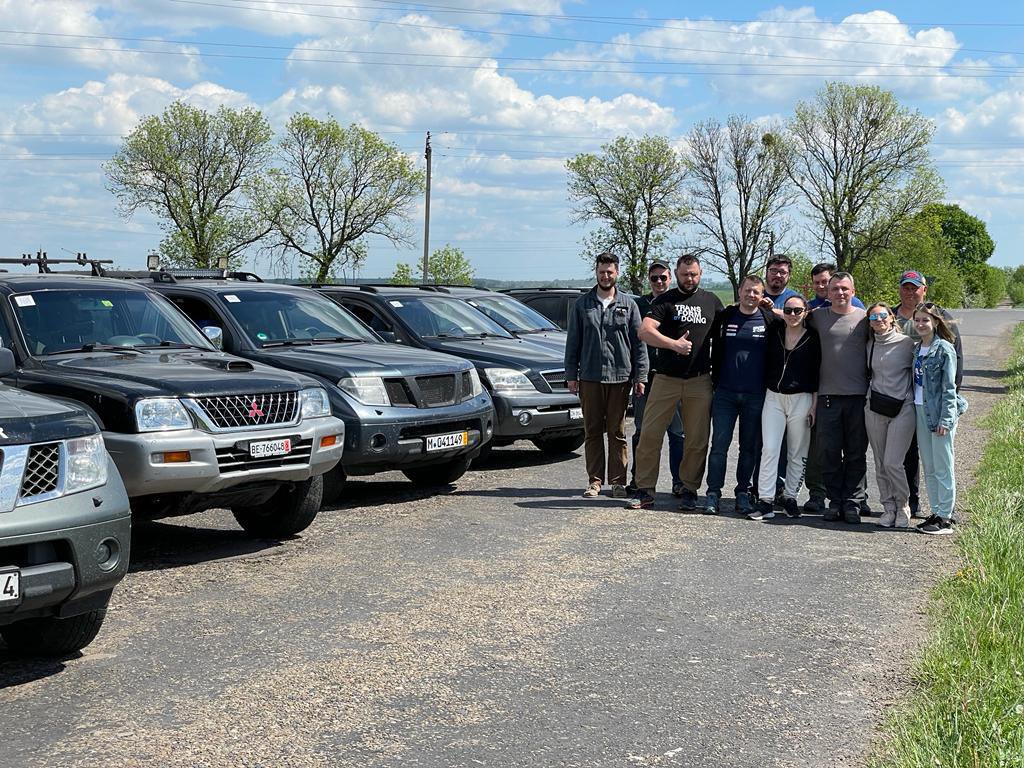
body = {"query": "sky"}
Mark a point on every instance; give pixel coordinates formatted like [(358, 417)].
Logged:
[(509, 89)]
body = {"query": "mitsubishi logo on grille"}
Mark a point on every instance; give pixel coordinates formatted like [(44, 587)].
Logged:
[(255, 410)]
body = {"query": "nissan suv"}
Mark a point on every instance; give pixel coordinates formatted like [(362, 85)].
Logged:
[(65, 524), (188, 426)]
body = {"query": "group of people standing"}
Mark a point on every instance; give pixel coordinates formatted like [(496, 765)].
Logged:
[(808, 385)]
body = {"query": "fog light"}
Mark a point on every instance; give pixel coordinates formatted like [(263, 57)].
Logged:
[(327, 442), (378, 441), (172, 457), (108, 554), (525, 418)]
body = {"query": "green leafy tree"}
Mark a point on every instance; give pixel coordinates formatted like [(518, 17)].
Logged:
[(198, 173), (334, 186), (972, 247), (994, 286), (1015, 285), (446, 266), (861, 163), (634, 190)]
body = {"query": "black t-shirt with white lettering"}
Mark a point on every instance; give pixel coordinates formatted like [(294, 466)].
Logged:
[(676, 313)]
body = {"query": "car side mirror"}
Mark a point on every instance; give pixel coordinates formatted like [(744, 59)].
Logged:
[(388, 336), (7, 366), (215, 335)]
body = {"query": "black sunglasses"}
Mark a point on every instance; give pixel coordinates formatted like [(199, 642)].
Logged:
[(658, 278), (793, 310)]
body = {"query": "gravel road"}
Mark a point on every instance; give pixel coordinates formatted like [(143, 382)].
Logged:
[(507, 622)]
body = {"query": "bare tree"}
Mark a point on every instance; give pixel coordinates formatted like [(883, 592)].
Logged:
[(738, 188), (634, 188), (334, 186), (861, 162)]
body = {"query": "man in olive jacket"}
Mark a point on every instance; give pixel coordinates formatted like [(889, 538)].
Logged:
[(604, 360)]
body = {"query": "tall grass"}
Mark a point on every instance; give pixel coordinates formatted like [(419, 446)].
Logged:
[(967, 706)]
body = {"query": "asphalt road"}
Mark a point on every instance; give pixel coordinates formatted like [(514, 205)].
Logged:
[(507, 622)]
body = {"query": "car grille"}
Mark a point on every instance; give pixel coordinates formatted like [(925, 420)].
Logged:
[(398, 393), (555, 380), (42, 470), (437, 390), (234, 459), (250, 410)]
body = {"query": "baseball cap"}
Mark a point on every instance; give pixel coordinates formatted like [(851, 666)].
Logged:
[(913, 276), (658, 263)]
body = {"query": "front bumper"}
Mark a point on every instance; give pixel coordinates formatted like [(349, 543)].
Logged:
[(385, 438), (219, 461), (55, 545), (545, 415)]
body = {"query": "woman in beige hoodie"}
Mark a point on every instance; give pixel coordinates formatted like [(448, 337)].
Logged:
[(889, 413)]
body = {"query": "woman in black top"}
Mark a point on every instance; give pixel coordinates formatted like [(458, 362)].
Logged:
[(792, 365)]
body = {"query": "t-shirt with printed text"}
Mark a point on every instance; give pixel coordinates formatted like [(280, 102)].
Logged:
[(676, 313)]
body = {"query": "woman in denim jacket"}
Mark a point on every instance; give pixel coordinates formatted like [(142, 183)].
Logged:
[(938, 407)]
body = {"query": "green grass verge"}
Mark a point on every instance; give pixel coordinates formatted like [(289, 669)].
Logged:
[(967, 706)]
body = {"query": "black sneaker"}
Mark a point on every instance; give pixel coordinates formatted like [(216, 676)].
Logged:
[(851, 513), (763, 511), (791, 507), (632, 488), (688, 500), (640, 500), (936, 526), (677, 490), (866, 510), (780, 500), (814, 505), (831, 513), (711, 503)]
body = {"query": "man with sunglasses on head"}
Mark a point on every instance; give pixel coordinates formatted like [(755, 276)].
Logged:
[(913, 289), (659, 277)]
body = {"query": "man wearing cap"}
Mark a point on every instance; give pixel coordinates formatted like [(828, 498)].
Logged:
[(659, 277), (913, 288)]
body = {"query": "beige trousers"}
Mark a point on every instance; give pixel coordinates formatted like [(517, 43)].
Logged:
[(693, 396)]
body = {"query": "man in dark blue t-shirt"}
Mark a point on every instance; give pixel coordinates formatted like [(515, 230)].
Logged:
[(737, 370)]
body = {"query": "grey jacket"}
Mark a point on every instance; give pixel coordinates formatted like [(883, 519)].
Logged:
[(604, 344), (942, 403)]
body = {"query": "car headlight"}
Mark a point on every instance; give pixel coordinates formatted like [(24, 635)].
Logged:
[(368, 390), (160, 414), (86, 464), (508, 380), (315, 403), (475, 387)]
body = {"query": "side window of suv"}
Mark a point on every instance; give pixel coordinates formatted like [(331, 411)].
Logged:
[(199, 311), (551, 306), (369, 316)]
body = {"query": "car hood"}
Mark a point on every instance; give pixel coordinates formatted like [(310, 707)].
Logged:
[(551, 339), (514, 353), (364, 359), (27, 418), (177, 373)]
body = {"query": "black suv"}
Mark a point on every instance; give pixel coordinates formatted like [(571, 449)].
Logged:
[(554, 303), (526, 381), (65, 524), (188, 426), (412, 410)]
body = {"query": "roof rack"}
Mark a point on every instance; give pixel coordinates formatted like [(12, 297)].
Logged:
[(42, 262), (175, 275)]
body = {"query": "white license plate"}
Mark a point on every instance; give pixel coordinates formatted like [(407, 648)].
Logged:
[(447, 442), (575, 414), (270, 448), (10, 587)]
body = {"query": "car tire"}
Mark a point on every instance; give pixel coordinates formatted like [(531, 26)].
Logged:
[(334, 484), (438, 474), (51, 636), (284, 514), (557, 446)]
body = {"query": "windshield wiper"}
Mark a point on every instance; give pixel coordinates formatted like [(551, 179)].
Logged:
[(97, 347), (337, 340), (288, 343), (536, 330), (173, 345)]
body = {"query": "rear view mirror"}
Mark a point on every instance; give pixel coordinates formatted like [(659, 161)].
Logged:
[(388, 336), (215, 335), (7, 366)]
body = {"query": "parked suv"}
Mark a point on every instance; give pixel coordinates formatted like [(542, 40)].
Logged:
[(413, 410), (526, 381), (188, 426), (554, 303), (65, 525)]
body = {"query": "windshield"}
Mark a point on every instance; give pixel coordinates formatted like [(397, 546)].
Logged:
[(272, 317), (440, 318), (64, 320), (512, 315)]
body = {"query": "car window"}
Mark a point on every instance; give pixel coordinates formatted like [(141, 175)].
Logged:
[(60, 320), (512, 315), (369, 316), (274, 316), (444, 317), (552, 306)]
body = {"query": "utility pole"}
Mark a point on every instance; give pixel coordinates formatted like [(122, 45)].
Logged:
[(426, 216)]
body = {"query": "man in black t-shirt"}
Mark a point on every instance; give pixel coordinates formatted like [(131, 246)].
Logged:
[(678, 324), (737, 370)]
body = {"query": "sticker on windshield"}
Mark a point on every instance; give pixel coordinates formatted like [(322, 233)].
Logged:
[(395, 303), (231, 298), (261, 336), (106, 302), (24, 301)]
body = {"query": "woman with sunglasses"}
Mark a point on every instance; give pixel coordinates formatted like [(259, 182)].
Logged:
[(792, 363), (889, 412), (938, 407)]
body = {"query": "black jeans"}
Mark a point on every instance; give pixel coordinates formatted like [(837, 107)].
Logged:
[(912, 466), (842, 443)]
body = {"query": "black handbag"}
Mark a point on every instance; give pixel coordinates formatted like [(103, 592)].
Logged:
[(883, 405)]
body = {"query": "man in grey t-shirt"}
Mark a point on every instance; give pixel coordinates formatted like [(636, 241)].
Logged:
[(842, 440)]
